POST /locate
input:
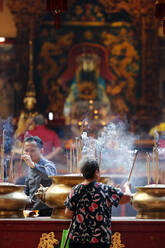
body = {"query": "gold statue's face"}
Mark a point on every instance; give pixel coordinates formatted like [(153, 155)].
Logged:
[(88, 65), (29, 102)]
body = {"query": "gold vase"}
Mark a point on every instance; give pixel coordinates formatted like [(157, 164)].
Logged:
[(149, 201), (56, 194), (12, 200)]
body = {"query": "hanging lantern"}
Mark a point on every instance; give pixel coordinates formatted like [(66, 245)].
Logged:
[(56, 7)]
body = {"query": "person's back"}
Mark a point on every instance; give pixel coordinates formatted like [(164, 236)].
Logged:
[(89, 204), (92, 206)]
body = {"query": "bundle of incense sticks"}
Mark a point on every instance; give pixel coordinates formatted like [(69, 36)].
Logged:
[(74, 156)]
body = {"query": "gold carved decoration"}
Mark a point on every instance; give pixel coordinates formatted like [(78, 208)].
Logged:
[(116, 241), (48, 240)]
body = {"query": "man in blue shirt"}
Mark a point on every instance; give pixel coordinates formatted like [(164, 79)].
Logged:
[(39, 171)]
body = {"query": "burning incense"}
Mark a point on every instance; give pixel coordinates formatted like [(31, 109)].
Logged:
[(132, 166), (80, 144), (11, 171), (95, 153), (157, 173), (148, 168), (155, 157), (153, 164), (74, 159), (23, 144), (99, 158), (67, 161), (70, 158), (77, 150), (2, 155)]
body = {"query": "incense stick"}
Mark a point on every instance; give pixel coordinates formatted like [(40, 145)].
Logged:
[(95, 153), (67, 161), (149, 169), (11, 171), (23, 144), (70, 158), (2, 155), (80, 144), (100, 158), (147, 166), (157, 174), (153, 164), (74, 161), (77, 151), (132, 166)]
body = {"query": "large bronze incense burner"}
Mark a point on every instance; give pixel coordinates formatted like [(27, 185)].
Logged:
[(12, 200), (149, 201), (55, 195)]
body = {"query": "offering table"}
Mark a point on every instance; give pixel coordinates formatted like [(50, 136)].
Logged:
[(26, 233)]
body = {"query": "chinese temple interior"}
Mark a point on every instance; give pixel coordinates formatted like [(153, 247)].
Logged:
[(93, 70)]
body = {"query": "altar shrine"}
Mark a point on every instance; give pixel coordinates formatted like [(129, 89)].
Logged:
[(129, 232)]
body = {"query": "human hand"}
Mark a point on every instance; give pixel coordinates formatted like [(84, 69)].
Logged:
[(28, 160), (127, 187)]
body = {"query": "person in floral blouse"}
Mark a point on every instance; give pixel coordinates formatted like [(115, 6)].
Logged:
[(89, 204)]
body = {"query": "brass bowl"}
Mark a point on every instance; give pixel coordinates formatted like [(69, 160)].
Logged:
[(149, 201), (56, 194), (12, 200)]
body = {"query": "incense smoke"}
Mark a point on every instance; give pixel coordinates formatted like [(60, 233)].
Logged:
[(114, 147)]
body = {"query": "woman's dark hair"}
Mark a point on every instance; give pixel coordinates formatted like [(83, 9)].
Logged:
[(88, 166), (35, 139)]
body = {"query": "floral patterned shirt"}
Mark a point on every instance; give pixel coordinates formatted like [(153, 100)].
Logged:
[(92, 205)]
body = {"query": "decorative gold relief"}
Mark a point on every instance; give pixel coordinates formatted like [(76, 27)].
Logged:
[(116, 241), (47, 240)]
